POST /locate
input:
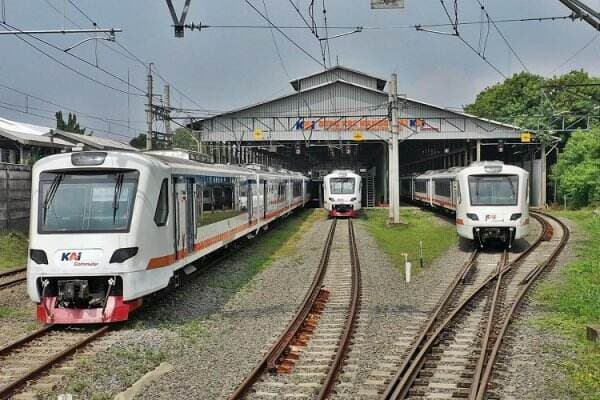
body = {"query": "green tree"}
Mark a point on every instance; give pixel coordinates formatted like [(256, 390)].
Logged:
[(578, 169), (139, 142), (529, 101), (70, 126), (182, 139)]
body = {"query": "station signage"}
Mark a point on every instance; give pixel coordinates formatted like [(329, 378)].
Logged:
[(526, 137), (258, 134), (358, 136), (362, 124)]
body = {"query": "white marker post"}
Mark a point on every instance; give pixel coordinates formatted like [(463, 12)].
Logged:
[(407, 268)]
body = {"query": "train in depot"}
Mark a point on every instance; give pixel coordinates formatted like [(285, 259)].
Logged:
[(489, 199), (342, 193), (109, 228)]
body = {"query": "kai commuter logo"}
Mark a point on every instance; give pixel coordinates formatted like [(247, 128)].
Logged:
[(71, 256)]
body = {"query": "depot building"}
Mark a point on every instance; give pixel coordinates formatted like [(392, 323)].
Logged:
[(340, 118)]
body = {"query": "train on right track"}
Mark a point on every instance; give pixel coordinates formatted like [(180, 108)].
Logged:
[(490, 199)]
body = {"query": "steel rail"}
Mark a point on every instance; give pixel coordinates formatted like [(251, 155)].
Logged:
[(10, 388), (4, 285), (336, 366), (401, 382), (461, 277), (489, 326), (526, 285), (33, 335), (286, 337), (12, 271)]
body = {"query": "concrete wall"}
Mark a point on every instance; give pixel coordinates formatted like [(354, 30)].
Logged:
[(15, 192)]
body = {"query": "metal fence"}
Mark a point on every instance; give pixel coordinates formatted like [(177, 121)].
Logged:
[(15, 193)]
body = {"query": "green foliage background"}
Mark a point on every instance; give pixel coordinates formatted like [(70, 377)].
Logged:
[(529, 101)]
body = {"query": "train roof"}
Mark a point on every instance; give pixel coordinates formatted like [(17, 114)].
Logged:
[(477, 167), (341, 172), (150, 159)]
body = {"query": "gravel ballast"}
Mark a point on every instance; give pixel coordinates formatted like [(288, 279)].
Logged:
[(213, 329), (529, 354)]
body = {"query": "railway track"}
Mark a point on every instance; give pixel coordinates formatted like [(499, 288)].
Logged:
[(12, 277), (26, 359), (455, 354), (308, 356)]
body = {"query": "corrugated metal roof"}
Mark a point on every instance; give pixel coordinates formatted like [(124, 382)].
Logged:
[(325, 102), (338, 73), (14, 126), (93, 141), (34, 139)]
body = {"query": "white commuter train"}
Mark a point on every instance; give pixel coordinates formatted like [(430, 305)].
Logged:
[(108, 228), (342, 193), (490, 199)]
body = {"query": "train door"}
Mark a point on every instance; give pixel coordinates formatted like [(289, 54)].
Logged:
[(190, 212), (184, 216), (265, 189)]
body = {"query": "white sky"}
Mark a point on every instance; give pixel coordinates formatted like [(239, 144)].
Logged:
[(228, 68)]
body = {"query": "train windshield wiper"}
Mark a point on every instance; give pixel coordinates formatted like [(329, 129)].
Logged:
[(117, 195), (52, 193)]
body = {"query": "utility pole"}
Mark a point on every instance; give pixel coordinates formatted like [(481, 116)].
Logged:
[(394, 159), (167, 111), (149, 111)]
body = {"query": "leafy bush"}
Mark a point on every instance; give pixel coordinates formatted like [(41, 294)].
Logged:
[(578, 169)]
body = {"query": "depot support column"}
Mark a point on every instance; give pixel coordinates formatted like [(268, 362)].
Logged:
[(394, 161)]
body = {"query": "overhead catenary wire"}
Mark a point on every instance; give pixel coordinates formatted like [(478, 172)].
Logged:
[(52, 45), (302, 49), (274, 39), (578, 52), (511, 48), (466, 43), (133, 57), (74, 70), (62, 106)]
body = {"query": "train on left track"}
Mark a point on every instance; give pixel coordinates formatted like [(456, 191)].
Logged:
[(110, 228)]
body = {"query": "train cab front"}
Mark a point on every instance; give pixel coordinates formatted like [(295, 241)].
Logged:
[(82, 246)]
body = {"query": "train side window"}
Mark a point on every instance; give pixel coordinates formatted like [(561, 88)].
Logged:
[(162, 207)]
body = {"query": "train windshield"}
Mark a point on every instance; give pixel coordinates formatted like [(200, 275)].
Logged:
[(494, 190), (86, 201), (342, 185)]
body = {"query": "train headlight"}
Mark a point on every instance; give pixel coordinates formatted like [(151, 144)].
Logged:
[(39, 256), (88, 158), (473, 217), (122, 255), (353, 199), (331, 199), (515, 217)]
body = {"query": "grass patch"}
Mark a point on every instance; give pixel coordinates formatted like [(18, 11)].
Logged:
[(13, 250), (118, 368), (9, 312), (279, 242), (191, 330), (572, 303), (396, 240)]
